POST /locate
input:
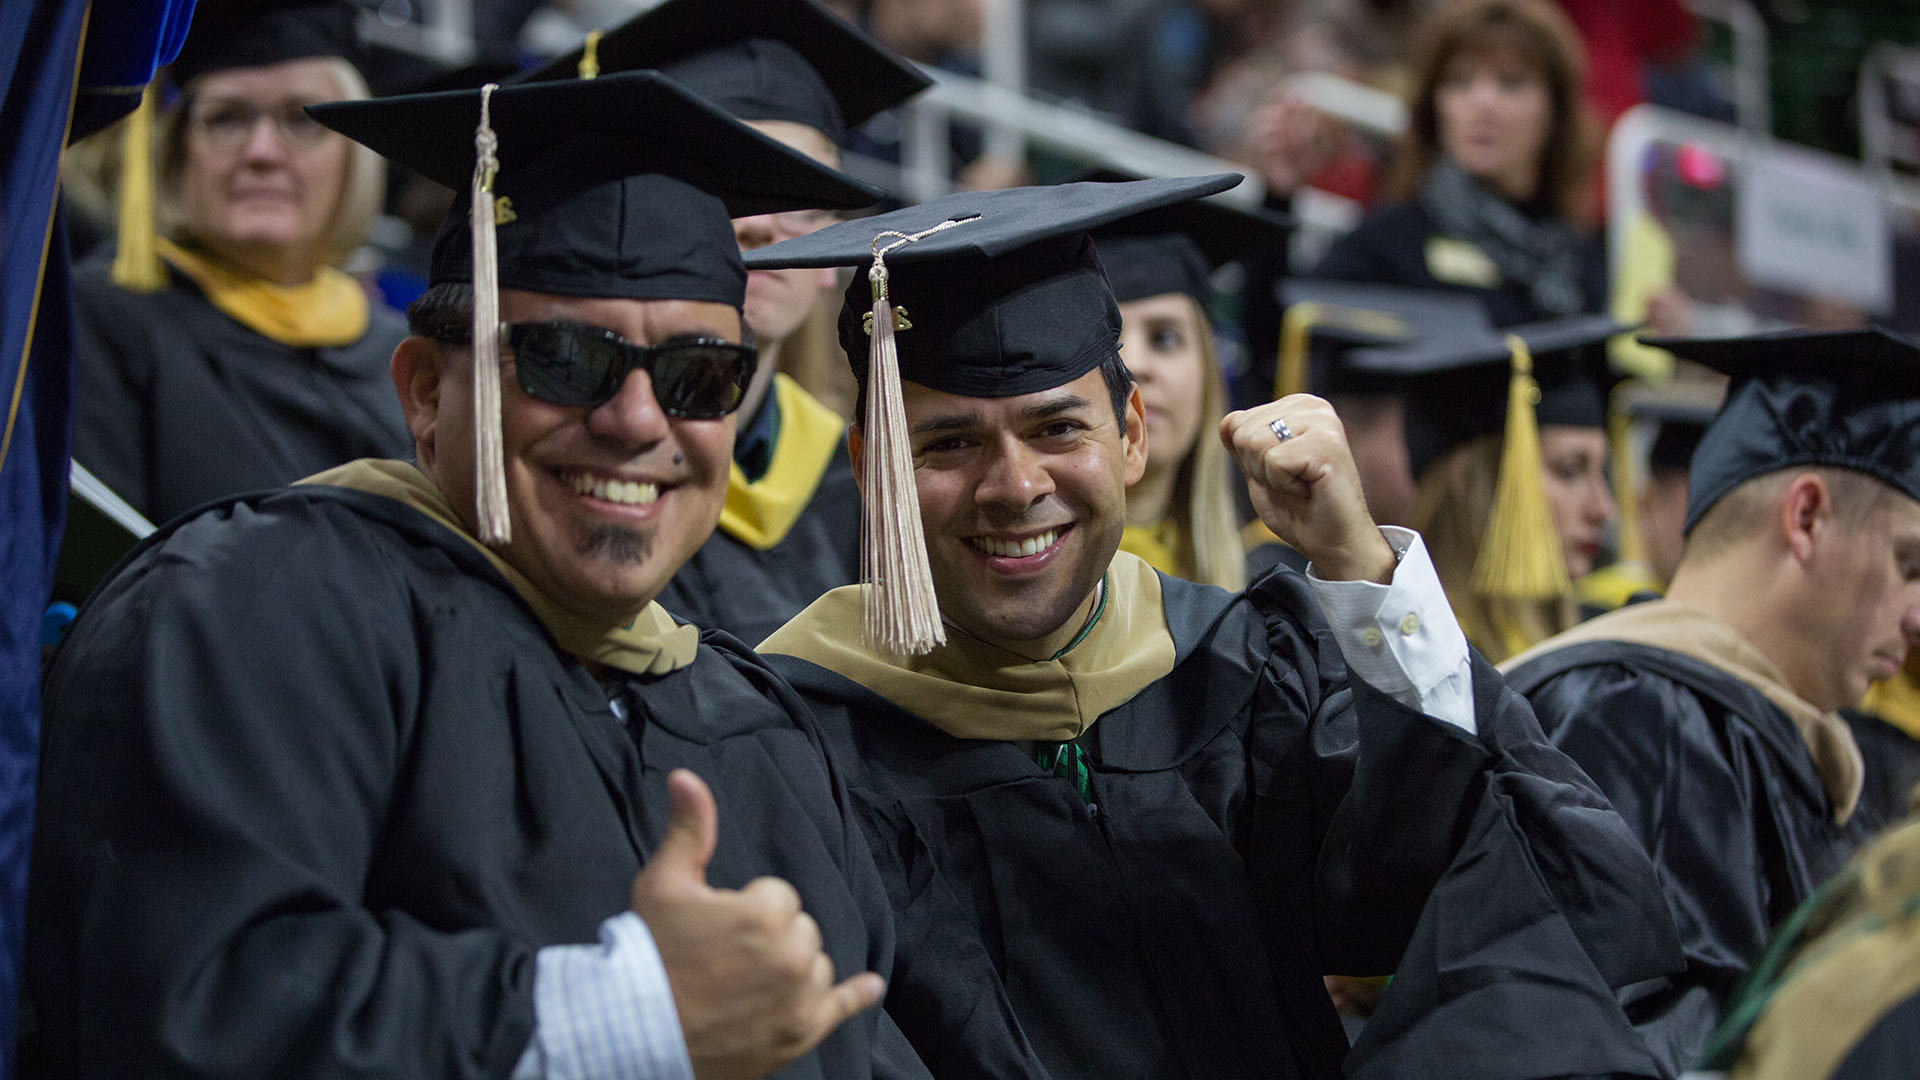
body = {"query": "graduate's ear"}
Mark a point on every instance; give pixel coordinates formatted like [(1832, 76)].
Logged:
[(1135, 435), (1805, 514), (418, 366), (856, 444)]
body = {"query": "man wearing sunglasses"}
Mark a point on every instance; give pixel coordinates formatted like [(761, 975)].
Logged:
[(795, 72), (348, 777)]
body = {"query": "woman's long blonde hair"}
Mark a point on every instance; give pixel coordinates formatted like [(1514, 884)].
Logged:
[(1203, 506), (1454, 498)]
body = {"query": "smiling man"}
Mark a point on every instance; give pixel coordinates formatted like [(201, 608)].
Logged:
[(333, 786), (1710, 718), (799, 74), (1153, 812)]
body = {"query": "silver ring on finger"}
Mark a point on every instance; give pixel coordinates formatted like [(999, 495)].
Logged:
[(1280, 429)]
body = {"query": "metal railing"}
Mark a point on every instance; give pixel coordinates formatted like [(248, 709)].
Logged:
[(1366, 107), (1883, 143), (1752, 103)]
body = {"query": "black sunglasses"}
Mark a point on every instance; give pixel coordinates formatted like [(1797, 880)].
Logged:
[(564, 363)]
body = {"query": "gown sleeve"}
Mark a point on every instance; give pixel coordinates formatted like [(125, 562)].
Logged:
[(1651, 748), (225, 737), (1481, 869)]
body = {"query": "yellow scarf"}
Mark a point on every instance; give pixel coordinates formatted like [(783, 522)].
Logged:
[(1664, 624), (972, 690), (759, 513), (1158, 544), (650, 644), (329, 311)]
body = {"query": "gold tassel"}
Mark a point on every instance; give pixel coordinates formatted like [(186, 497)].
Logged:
[(590, 56), (1296, 333), (1520, 557), (490, 477), (1626, 481), (136, 259), (902, 611), (902, 614)]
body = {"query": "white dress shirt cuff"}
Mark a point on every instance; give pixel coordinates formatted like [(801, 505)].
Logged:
[(605, 1012), (1401, 638)]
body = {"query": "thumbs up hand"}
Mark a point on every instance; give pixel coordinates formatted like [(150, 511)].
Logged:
[(751, 984)]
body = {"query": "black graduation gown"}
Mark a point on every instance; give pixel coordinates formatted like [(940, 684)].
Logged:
[(1889, 1049), (732, 586), (1389, 247), (317, 785), (176, 404), (1255, 822), (1718, 785), (1892, 760)]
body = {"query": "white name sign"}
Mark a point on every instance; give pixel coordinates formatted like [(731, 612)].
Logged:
[(1815, 229)]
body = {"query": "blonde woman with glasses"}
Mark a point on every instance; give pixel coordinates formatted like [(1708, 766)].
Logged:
[(229, 352)]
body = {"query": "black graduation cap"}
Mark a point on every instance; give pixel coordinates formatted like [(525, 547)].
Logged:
[(1324, 320), (1176, 249), (228, 34), (1000, 294), (1457, 383), (757, 59), (1848, 399), (1007, 298), (620, 186), (392, 71), (1460, 386)]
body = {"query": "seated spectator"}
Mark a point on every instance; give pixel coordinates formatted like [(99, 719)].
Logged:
[(1513, 495), (1490, 183), (244, 358), (1711, 717)]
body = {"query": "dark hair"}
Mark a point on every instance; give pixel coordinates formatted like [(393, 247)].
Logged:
[(1542, 36), (443, 313), (1113, 372)]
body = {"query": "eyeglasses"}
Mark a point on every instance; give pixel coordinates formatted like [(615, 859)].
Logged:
[(565, 363), (227, 124)]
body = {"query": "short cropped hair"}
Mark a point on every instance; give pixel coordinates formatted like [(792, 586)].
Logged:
[(1747, 510)]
